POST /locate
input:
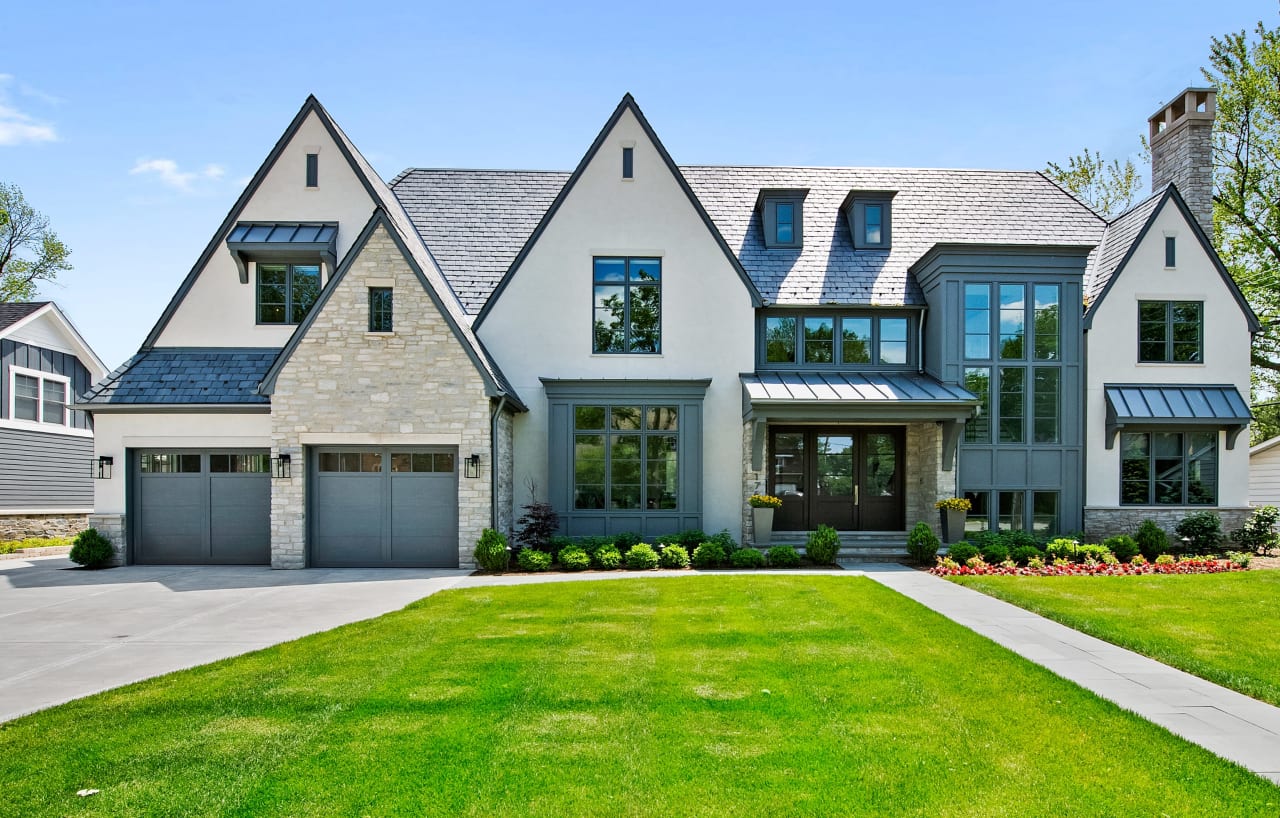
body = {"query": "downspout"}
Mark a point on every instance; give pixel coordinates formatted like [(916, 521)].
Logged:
[(493, 463), (920, 343)]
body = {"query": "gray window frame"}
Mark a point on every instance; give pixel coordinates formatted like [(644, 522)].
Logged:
[(288, 291), (1186, 460), (1169, 341), (838, 316), (1170, 252), (769, 222), (379, 312), (628, 163), (607, 433), (313, 170), (627, 285), (860, 223)]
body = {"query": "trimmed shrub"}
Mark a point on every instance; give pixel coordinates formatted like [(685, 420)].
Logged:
[(1258, 534), (1151, 539), (962, 551), (783, 556), (560, 542), (1203, 529), (531, 559), (1024, 554), (538, 525), (91, 549), (1095, 552), (1240, 558), (995, 553), (574, 558), (922, 544), (708, 555), (746, 558), (1165, 559), (1123, 546), (627, 540), (674, 556), (607, 558), (1061, 548), (641, 557), (823, 545), (492, 552), (723, 539)]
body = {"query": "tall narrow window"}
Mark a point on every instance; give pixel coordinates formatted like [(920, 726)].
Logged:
[(1170, 251), (785, 222), (855, 340), (979, 516), (380, 312), (1045, 400), (893, 340), (874, 224), (977, 379), (313, 170), (628, 163), (819, 340), (1012, 516), (977, 321), (628, 305), (1046, 322), (1012, 404), (1044, 512), (780, 340), (1013, 312)]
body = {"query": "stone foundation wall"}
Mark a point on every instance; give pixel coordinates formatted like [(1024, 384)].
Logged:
[(506, 474), (112, 526), (1100, 523), (25, 526)]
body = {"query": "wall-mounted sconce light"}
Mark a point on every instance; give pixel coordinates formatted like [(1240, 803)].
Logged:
[(472, 464), (103, 472), (282, 466)]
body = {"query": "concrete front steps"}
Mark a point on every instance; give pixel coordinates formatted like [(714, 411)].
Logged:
[(855, 546)]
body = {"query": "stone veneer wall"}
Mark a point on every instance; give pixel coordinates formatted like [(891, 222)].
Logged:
[(925, 484), (24, 526), (112, 526), (506, 473), (1100, 523), (344, 380)]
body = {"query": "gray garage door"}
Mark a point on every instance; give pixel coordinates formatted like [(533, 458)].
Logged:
[(200, 506), (384, 507)]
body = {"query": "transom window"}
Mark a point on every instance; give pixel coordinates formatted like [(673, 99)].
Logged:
[(626, 457), (1171, 331), (380, 309), (169, 463), (287, 292), (226, 463), (836, 340), (39, 397), (1169, 468), (627, 311)]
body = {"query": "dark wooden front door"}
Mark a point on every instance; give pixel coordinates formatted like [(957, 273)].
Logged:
[(850, 478)]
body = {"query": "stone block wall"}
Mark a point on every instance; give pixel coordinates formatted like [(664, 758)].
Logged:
[(25, 526), (1100, 523), (394, 387), (112, 526), (506, 474)]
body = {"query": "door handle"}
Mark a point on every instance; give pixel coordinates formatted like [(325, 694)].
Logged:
[(855, 494)]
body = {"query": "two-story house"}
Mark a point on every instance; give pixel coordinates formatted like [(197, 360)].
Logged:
[(327, 386)]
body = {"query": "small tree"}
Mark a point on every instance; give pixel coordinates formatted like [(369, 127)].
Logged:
[(1258, 534), (538, 524), (1201, 530), (1151, 539), (922, 544), (91, 549)]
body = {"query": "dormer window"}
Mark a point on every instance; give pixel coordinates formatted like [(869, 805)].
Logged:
[(781, 217), (868, 215)]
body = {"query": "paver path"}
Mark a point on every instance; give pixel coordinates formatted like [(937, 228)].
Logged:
[(1225, 722)]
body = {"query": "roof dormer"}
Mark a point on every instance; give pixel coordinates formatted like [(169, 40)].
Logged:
[(782, 217), (869, 214)]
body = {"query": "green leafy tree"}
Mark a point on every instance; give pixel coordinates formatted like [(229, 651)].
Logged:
[(29, 251), (1108, 187)]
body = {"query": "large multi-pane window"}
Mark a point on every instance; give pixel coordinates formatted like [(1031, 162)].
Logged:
[(625, 457), (1171, 331), (627, 312), (1169, 468), (287, 292), (836, 340)]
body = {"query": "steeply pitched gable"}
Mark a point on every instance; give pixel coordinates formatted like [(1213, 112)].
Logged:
[(628, 104)]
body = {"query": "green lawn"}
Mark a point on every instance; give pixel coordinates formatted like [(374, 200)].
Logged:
[(1217, 626), (726, 695)]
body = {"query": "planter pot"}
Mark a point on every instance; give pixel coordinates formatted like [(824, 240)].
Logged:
[(762, 526), (952, 524)]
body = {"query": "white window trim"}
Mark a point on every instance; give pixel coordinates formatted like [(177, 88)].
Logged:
[(13, 422)]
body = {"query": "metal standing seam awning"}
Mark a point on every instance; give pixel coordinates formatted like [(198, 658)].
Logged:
[(889, 397), (1217, 406), (279, 241)]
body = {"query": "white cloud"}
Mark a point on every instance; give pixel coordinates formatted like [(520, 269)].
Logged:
[(16, 126), (167, 171)]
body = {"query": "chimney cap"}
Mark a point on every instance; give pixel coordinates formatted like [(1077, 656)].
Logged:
[(1191, 103)]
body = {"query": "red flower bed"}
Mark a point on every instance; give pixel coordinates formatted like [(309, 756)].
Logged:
[(1190, 565)]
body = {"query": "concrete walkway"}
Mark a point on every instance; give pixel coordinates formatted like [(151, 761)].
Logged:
[(1227, 723)]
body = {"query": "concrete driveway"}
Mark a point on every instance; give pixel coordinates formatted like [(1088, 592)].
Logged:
[(66, 632)]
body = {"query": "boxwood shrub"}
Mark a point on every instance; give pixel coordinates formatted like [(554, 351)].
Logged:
[(574, 558), (746, 558), (823, 545), (642, 557), (492, 553), (962, 551), (91, 549), (922, 544), (607, 558), (531, 559), (708, 555), (783, 556), (674, 556), (1123, 546)]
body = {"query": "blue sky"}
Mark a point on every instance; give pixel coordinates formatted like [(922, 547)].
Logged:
[(134, 126)]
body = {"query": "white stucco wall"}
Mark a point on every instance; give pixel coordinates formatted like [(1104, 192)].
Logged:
[(1112, 345), (116, 432), (541, 324), (219, 310)]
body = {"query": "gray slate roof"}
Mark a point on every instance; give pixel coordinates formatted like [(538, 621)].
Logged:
[(851, 387), (476, 221), (14, 312), (185, 376), (1119, 237)]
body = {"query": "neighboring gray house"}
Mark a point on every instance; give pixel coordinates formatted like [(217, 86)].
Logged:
[(1264, 473), (46, 484), (363, 373)]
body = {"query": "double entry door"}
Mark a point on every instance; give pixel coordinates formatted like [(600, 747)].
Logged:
[(850, 478)]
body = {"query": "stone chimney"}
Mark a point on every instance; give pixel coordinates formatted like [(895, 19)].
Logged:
[(1181, 141)]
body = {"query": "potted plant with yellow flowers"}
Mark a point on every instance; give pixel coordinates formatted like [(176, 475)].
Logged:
[(954, 510), (762, 508)]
